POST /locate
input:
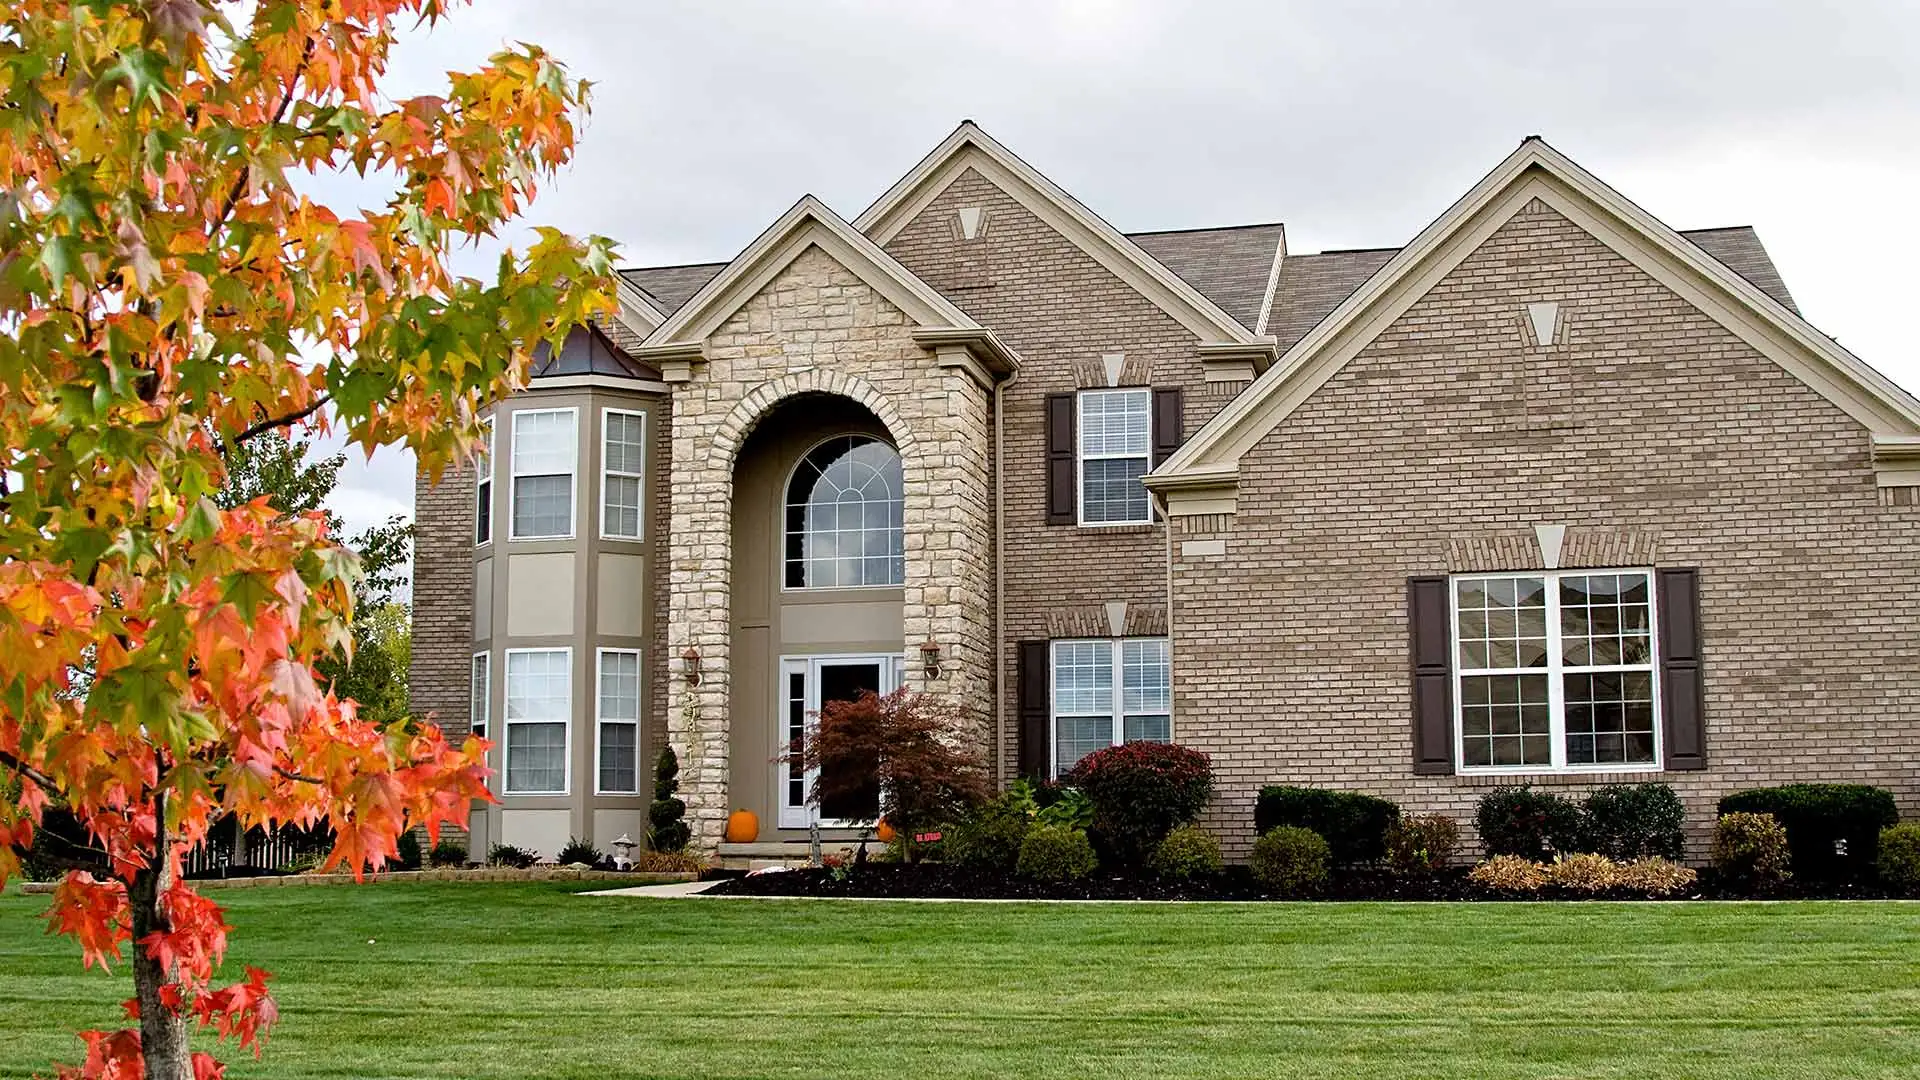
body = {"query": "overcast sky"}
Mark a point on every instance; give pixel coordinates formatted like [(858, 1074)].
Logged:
[(1354, 123)]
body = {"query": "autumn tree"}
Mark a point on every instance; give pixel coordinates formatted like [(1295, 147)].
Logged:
[(901, 753), (170, 290)]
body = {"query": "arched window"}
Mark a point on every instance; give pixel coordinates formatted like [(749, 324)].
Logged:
[(844, 515)]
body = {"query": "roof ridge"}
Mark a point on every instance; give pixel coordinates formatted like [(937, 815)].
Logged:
[(671, 266), (1208, 228)]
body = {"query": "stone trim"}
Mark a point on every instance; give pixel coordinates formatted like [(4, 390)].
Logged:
[(739, 423), (1095, 621), (1090, 373), (1519, 549)]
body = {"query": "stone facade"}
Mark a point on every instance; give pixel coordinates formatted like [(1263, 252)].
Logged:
[(1655, 434), (818, 328)]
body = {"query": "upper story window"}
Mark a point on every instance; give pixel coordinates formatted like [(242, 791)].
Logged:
[(622, 473), (544, 448), (1555, 671), (1115, 451), (844, 514), (1108, 691), (483, 489), (539, 708)]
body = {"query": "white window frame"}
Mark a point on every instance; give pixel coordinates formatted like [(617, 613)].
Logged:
[(606, 472), (1118, 732), (1081, 457), (1555, 673), (480, 691), (573, 475), (483, 489), (781, 531), (507, 723), (600, 719)]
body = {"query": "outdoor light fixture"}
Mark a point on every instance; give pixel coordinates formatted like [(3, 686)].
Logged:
[(690, 665), (624, 846), (930, 657)]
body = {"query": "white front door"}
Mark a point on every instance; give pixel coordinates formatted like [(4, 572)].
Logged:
[(806, 682)]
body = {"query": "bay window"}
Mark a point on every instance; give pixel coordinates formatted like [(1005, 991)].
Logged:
[(544, 448), (539, 708), (617, 753), (622, 473)]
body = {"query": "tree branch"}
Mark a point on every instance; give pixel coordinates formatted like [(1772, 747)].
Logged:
[(291, 775), (263, 426), (21, 767)]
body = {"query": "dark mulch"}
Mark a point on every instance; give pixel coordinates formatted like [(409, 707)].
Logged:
[(937, 880)]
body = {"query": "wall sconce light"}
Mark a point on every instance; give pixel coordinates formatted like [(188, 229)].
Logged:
[(930, 658), (690, 665)]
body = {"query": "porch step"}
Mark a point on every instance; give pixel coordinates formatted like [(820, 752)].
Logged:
[(763, 854)]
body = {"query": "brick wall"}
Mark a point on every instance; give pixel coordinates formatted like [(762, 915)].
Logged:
[(438, 680), (1450, 434)]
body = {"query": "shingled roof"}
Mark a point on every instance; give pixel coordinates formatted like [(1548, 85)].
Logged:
[(588, 351), (671, 286), (1230, 266)]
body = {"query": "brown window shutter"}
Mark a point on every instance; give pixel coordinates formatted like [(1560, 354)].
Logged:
[(1062, 507), (1167, 422), (1034, 701), (1682, 696), (1432, 675)]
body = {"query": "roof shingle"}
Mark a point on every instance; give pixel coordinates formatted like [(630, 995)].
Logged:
[(1229, 266)]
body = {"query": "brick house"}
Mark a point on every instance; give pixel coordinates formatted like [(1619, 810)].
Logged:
[(1552, 494)]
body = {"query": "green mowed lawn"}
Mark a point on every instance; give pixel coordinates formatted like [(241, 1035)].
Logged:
[(530, 980)]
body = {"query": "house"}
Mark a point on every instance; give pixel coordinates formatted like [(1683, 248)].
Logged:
[(1552, 494)]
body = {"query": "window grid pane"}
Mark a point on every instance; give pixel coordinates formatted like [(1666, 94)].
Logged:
[(1089, 715), (480, 704), (483, 488), (1115, 444), (543, 442), (620, 685), (845, 511), (619, 757), (539, 706), (622, 518), (622, 469), (542, 506)]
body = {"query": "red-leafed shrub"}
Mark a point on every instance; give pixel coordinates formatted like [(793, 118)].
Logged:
[(1141, 791)]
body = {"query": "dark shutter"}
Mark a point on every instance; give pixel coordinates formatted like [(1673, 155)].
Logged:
[(1432, 675), (1682, 697), (1032, 692), (1167, 421), (1060, 493)]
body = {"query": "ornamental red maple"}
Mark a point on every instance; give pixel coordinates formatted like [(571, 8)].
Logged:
[(167, 293)]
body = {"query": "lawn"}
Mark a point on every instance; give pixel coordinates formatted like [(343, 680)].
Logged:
[(528, 980)]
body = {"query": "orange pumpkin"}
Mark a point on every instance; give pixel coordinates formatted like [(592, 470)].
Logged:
[(883, 832), (743, 827)]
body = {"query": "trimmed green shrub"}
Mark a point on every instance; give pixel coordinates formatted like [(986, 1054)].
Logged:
[(1290, 861), (1421, 843), (1899, 863), (1354, 824), (1626, 822), (448, 852), (1051, 853), (508, 855), (579, 851), (1750, 851), (665, 829), (1188, 851), (1833, 830), (1141, 791), (1531, 824), (988, 839), (408, 850)]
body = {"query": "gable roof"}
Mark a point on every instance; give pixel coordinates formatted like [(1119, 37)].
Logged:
[(1210, 459), (669, 287), (1233, 267), (971, 148)]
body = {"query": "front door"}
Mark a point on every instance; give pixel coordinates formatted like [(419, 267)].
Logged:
[(806, 684)]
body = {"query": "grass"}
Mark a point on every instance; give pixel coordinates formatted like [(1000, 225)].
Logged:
[(528, 980)]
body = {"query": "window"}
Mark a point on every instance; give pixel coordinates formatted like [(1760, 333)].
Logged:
[(844, 513), (483, 490), (543, 457), (1116, 450), (481, 704), (622, 473), (539, 705), (619, 723), (1555, 671), (1089, 716)]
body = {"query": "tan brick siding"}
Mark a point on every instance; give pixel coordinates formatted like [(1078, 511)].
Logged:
[(441, 668)]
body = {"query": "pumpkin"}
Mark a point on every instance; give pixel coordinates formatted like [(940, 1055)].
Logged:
[(743, 827), (883, 832)]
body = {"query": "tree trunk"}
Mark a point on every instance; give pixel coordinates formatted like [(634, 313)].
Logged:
[(164, 1039)]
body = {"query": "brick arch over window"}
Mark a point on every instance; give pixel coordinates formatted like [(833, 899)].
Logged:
[(732, 433)]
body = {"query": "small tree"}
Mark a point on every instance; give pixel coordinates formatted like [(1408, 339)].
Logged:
[(906, 745), (666, 831)]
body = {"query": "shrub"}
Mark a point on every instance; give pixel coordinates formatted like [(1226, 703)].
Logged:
[(988, 839), (1421, 843), (1583, 872), (911, 746), (1353, 824), (1066, 807), (1050, 853), (1631, 821), (448, 852), (668, 862), (579, 851), (407, 850), (665, 829), (1899, 862), (1509, 873), (1290, 861), (1655, 876), (1833, 830), (1750, 851), (1141, 791), (1187, 852), (1528, 823), (508, 855)]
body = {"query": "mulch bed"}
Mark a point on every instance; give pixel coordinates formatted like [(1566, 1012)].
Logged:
[(938, 881)]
